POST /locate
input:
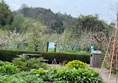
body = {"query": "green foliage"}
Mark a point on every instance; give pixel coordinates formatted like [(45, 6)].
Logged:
[(17, 23), (47, 17), (41, 73), (6, 16), (35, 33), (7, 68), (2, 63), (76, 64), (91, 23), (23, 77), (8, 55), (58, 26), (70, 75), (25, 63)]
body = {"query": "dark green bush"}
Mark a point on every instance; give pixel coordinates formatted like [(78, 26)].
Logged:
[(63, 56), (8, 55)]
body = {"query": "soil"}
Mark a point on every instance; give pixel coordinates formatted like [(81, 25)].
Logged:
[(104, 73)]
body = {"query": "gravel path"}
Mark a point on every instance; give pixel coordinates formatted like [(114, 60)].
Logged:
[(104, 73)]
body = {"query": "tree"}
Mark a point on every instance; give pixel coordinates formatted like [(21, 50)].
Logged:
[(73, 42), (58, 26), (23, 10), (18, 38), (44, 39), (28, 23), (65, 40), (6, 38), (86, 40), (6, 16), (35, 34), (102, 40), (90, 23), (17, 23)]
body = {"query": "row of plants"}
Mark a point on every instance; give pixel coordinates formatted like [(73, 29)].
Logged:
[(25, 63), (22, 77), (54, 75), (70, 75), (75, 72)]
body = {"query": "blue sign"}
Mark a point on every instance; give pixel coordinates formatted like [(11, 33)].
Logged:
[(51, 45)]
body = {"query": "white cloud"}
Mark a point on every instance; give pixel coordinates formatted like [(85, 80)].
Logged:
[(17, 1)]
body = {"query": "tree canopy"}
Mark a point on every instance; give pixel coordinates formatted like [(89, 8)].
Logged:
[(6, 15), (90, 23), (18, 22)]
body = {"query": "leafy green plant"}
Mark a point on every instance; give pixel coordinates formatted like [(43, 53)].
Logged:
[(2, 63), (76, 64), (41, 73), (68, 75), (8, 68), (23, 57), (23, 77), (25, 63)]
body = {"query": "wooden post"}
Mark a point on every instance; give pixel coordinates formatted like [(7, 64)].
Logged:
[(55, 48), (117, 19), (47, 47)]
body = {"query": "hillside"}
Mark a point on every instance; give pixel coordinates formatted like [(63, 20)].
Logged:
[(47, 17)]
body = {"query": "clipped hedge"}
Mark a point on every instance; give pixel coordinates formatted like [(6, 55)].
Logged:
[(8, 55), (63, 56)]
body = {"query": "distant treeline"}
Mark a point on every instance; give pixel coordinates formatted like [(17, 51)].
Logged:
[(47, 17)]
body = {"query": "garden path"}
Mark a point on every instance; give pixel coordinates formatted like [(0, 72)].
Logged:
[(104, 73)]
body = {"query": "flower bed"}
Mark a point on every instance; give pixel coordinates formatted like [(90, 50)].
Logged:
[(58, 74)]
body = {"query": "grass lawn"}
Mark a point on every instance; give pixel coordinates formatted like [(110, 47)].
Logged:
[(49, 50)]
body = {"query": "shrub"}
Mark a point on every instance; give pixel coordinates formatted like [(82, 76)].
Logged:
[(63, 56), (76, 64), (26, 64), (8, 55), (23, 77), (68, 75), (8, 68)]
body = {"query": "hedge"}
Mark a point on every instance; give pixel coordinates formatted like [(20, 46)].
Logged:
[(8, 55)]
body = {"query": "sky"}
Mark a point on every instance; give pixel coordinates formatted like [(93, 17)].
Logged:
[(73, 7)]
